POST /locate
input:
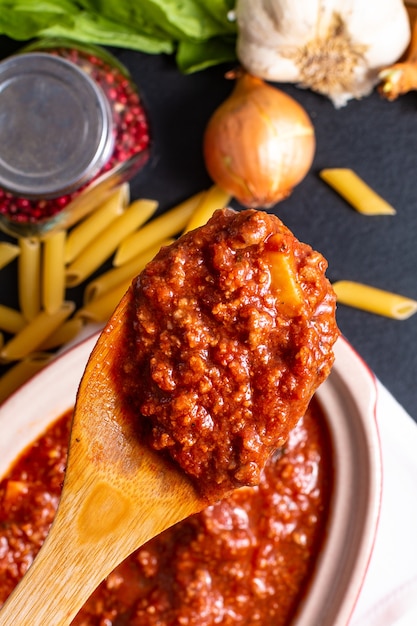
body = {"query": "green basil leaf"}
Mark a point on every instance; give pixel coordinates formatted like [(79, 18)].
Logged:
[(200, 30), (194, 57)]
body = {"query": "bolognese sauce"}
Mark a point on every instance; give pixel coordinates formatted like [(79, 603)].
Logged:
[(246, 560), (231, 332)]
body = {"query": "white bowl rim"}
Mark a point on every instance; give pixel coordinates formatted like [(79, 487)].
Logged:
[(349, 541), (350, 389)]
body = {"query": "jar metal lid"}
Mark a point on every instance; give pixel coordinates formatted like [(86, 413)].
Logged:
[(55, 126)]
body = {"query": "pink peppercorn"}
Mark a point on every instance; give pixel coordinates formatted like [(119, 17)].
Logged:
[(130, 132)]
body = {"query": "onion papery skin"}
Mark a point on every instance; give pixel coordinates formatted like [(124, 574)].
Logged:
[(259, 143)]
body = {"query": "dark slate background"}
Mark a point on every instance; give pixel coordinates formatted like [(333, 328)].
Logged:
[(375, 137)]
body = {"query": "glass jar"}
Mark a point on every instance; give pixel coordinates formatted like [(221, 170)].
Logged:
[(73, 126)]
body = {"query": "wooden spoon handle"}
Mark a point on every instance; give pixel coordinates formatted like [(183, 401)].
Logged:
[(117, 495), (63, 563), (84, 548)]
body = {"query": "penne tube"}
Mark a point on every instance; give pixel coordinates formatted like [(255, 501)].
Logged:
[(53, 272), (29, 277), (114, 277), (374, 300), (107, 242), (82, 235), (164, 226), (8, 252), (22, 372), (215, 198), (35, 333), (100, 309), (356, 192), (63, 334), (11, 321)]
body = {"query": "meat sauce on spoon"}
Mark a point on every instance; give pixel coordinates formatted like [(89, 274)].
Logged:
[(207, 363)]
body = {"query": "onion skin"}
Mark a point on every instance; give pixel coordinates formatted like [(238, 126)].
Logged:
[(259, 143)]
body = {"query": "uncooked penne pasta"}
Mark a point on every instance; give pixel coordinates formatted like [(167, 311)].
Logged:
[(11, 320), (215, 198), (374, 300), (107, 242), (53, 272), (29, 277), (114, 277), (355, 191), (82, 235), (100, 309), (63, 334), (162, 227), (18, 374), (8, 252), (35, 333)]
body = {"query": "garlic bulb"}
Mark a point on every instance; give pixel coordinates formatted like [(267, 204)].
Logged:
[(334, 47)]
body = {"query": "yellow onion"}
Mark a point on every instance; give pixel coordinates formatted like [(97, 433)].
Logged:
[(259, 143)]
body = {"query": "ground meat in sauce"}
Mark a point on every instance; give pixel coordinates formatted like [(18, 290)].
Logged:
[(246, 560), (232, 331)]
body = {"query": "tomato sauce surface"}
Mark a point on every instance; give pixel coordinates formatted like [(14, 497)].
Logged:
[(246, 560), (231, 331)]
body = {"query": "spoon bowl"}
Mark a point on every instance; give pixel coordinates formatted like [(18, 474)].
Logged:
[(117, 495)]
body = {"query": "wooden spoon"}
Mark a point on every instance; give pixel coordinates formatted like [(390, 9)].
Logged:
[(117, 495)]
